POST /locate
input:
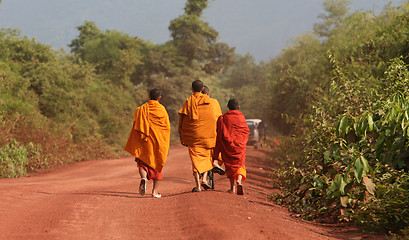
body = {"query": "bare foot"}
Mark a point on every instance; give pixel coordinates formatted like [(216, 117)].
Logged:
[(195, 189), (158, 195)]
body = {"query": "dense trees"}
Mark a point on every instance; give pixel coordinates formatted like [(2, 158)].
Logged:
[(349, 157), (87, 97)]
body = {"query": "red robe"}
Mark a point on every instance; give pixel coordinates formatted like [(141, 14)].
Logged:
[(232, 136)]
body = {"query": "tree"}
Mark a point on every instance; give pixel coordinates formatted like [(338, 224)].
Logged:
[(114, 54), (196, 40), (336, 10), (88, 31)]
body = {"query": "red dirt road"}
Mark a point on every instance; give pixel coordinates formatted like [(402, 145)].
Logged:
[(100, 200)]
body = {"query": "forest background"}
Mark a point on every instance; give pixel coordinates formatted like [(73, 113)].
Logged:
[(337, 97)]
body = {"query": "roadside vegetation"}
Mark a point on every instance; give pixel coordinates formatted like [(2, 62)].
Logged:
[(347, 157), (337, 97)]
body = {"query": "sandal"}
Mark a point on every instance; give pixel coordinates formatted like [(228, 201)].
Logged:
[(240, 189), (206, 186), (219, 170), (142, 187)]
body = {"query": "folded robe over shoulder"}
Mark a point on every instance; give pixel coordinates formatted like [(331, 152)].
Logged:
[(197, 129), (150, 135), (232, 137), (197, 120)]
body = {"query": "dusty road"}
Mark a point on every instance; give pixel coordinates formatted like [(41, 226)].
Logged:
[(100, 200)]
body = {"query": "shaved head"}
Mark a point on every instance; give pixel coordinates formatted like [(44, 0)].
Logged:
[(154, 94), (205, 90), (233, 104), (197, 85)]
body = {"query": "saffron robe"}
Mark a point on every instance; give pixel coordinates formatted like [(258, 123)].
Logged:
[(232, 137), (150, 135), (197, 129)]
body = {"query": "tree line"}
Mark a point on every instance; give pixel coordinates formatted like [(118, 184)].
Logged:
[(337, 97)]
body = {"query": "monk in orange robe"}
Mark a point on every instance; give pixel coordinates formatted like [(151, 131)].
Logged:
[(216, 162), (197, 129), (232, 137), (149, 141)]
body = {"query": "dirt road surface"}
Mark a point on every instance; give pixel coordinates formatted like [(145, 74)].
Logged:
[(100, 200)]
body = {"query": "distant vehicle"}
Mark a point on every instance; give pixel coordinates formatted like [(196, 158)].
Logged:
[(257, 132)]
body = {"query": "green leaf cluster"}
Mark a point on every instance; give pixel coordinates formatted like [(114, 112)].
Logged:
[(13, 160)]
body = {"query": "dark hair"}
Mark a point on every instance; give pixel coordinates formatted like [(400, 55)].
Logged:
[(205, 90), (233, 104), (154, 94), (197, 85)]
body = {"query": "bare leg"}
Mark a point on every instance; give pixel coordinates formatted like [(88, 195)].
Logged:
[(143, 173), (231, 190), (239, 178), (204, 178), (197, 180)]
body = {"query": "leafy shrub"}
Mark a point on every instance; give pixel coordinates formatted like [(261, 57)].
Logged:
[(37, 159), (13, 160), (356, 163)]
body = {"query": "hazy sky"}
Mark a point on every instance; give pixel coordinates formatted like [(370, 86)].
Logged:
[(259, 27)]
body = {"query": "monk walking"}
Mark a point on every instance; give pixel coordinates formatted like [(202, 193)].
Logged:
[(216, 166), (197, 129), (232, 136), (149, 141)]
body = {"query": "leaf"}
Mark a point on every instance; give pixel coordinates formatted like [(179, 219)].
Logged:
[(339, 181), (379, 143), (365, 164), (359, 169), (392, 115), (370, 186), (327, 156), (343, 125), (370, 122)]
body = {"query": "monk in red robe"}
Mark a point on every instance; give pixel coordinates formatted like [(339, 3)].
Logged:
[(149, 141), (232, 136), (197, 129)]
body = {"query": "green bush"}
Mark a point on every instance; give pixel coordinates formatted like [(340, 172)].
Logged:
[(13, 160)]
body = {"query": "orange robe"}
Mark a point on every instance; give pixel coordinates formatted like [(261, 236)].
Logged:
[(232, 137), (197, 129), (150, 135)]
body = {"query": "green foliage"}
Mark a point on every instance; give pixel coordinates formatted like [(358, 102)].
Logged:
[(196, 40), (79, 105), (113, 54), (13, 160), (294, 80), (37, 158), (336, 10), (350, 159), (195, 7)]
